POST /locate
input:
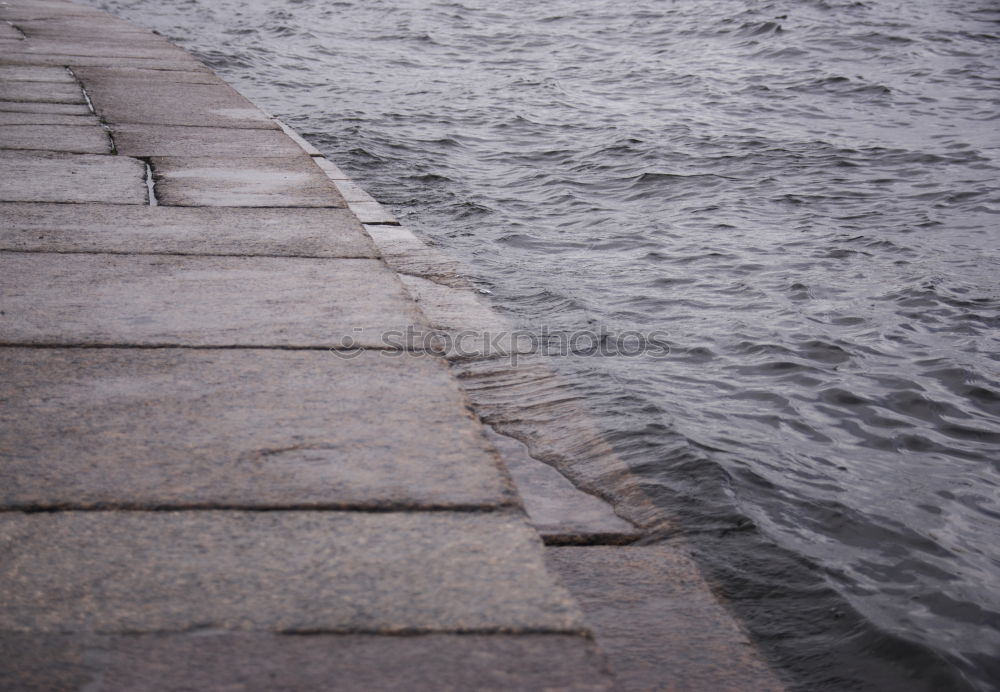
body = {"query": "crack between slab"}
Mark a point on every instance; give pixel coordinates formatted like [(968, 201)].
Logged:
[(150, 183), (90, 105), (19, 30)]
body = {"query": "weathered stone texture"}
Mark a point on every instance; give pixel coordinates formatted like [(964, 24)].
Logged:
[(120, 96), (657, 620), (183, 230), (171, 140), (110, 572), (246, 428), (71, 178), (243, 182), (264, 662), (41, 92), (66, 138), (202, 301)]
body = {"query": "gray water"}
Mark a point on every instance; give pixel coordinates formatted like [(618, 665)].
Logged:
[(803, 195)]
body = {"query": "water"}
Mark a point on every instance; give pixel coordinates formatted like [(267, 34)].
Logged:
[(802, 195)]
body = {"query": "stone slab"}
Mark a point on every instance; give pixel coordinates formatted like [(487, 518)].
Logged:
[(248, 428), (44, 108), (264, 662), (256, 182), (172, 140), (67, 138), (71, 178), (36, 74), (183, 230), (162, 100), (15, 118), (201, 75), (200, 301), (657, 620), (351, 572), (177, 63), (372, 212), (41, 92), (560, 512), (146, 46), (76, 27)]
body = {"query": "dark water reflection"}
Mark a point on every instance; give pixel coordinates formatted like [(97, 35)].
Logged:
[(804, 195)]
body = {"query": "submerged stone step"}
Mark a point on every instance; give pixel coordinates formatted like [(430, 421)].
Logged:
[(200, 301), (112, 572), (239, 428), (560, 512), (657, 620)]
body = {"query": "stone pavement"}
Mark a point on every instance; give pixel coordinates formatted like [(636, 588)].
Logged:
[(214, 473)]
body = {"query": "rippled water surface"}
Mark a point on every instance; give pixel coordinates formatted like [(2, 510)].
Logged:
[(803, 195)]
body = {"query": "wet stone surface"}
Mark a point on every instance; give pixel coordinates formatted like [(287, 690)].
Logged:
[(560, 512), (186, 230), (243, 182), (372, 212), (657, 620), (239, 428), (203, 301), (407, 254)]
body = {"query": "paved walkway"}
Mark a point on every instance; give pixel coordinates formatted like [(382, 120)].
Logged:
[(214, 474), (192, 481)]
